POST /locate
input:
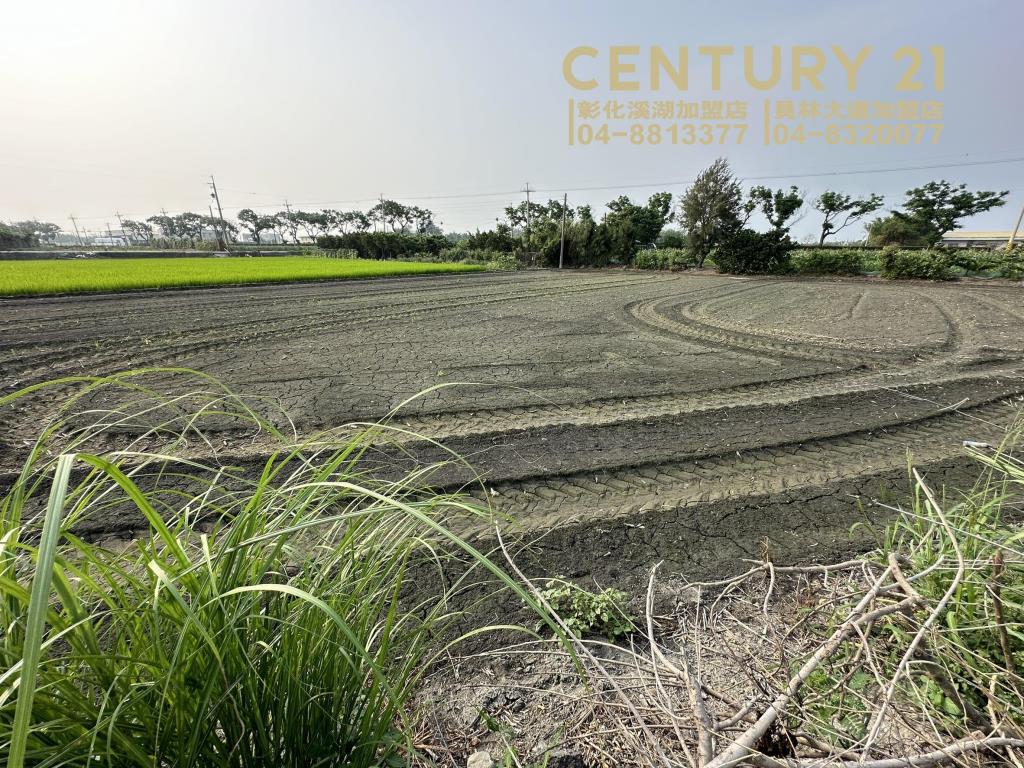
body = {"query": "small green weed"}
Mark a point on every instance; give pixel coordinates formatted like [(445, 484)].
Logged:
[(586, 612)]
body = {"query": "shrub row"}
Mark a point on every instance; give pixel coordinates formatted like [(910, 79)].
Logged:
[(937, 264), (384, 245), (665, 258), (828, 261), (754, 253), (1004, 262), (900, 264), (490, 259)]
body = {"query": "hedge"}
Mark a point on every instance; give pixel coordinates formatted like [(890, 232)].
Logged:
[(665, 258), (828, 261), (384, 245)]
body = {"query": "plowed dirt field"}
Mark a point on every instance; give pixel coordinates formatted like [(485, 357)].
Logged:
[(625, 417)]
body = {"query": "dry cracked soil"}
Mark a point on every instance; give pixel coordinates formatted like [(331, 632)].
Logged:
[(620, 417)]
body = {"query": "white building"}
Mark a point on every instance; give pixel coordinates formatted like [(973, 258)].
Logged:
[(960, 239)]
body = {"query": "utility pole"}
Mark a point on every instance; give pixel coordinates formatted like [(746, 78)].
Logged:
[(124, 232), (163, 230), (561, 246), (528, 222), (288, 209), (222, 237), (210, 209), (110, 235), (1013, 235), (77, 233), (383, 224)]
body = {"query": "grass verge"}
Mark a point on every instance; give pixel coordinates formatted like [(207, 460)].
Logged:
[(55, 276), (257, 619)]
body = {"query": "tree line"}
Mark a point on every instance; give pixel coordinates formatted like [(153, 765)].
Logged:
[(385, 216), (713, 216)]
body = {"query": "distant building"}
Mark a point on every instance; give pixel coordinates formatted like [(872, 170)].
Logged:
[(115, 241), (267, 237), (960, 239)]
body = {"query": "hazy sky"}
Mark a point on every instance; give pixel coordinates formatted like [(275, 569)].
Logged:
[(129, 106)]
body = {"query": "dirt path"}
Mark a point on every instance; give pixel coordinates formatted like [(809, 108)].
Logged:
[(690, 407)]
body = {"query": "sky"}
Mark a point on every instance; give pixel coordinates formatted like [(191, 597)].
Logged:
[(128, 107)]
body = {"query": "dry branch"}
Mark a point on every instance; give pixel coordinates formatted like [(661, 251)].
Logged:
[(948, 754)]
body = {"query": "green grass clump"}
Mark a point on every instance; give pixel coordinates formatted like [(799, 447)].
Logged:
[(957, 653), (259, 618), (975, 653), (49, 276)]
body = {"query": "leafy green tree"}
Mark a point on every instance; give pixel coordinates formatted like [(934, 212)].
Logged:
[(189, 225), (631, 227), (255, 223), (710, 209), (349, 221), (423, 219), (671, 238), (384, 245), (835, 204), (517, 216), (518, 219), (748, 252), (168, 226), (314, 223), (13, 237), (778, 206), (398, 217), (587, 243), (222, 227), (42, 231), (138, 231), (899, 229), (286, 223), (939, 206), (498, 239)]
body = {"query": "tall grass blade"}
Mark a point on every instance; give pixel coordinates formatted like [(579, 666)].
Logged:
[(34, 625)]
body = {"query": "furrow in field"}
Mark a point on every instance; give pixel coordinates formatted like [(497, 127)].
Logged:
[(771, 393), (42, 316), (652, 313), (545, 502), (159, 349), (236, 324), (712, 314)]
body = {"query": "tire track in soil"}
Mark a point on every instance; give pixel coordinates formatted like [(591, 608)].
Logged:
[(658, 314), (861, 378), (160, 308), (166, 304), (814, 466), (58, 362), (782, 391), (651, 314), (549, 502), (61, 351), (700, 314)]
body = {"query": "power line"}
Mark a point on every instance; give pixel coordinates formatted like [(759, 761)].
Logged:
[(674, 182), (640, 185), (814, 174)]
